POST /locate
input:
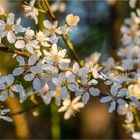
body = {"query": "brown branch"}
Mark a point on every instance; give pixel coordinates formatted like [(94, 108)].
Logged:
[(27, 109), (49, 10), (14, 51)]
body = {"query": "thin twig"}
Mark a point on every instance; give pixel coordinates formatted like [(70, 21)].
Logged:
[(49, 10), (14, 51), (27, 109), (71, 47)]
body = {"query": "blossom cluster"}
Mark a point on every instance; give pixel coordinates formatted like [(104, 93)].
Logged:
[(52, 75)]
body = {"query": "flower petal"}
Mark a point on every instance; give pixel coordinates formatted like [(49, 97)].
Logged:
[(29, 77), (33, 59), (11, 37), (37, 84), (18, 71), (11, 18), (85, 97), (20, 44), (121, 101), (6, 118), (112, 107), (21, 60), (94, 91), (106, 99)]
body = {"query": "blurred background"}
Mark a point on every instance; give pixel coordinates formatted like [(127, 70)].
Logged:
[(98, 30)]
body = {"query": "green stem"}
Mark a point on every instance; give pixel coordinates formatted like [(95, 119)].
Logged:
[(55, 122), (71, 47), (136, 117)]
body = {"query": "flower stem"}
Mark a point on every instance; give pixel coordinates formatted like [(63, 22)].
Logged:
[(136, 117), (71, 47), (49, 10), (65, 37), (55, 122)]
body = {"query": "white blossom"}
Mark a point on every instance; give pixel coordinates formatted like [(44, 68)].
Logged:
[(30, 10), (56, 57), (9, 28), (27, 42), (71, 107)]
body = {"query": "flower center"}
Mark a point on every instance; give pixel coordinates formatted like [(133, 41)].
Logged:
[(26, 67), (9, 27)]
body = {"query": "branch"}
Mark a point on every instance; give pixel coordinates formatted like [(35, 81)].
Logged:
[(71, 47), (14, 51), (49, 10), (27, 109)]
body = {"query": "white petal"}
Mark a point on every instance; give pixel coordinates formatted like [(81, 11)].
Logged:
[(72, 87), (18, 71), (78, 93), (62, 53), (121, 101), (2, 86), (23, 96), (94, 91), (35, 69), (2, 25), (17, 88), (29, 77), (29, 48), (33, 59), (62, 109), (47, 24), (106, 99), (20, 44), (5, 111), (3, 96), (136, 135), (75, 68), (37, 84), (64, 93), (6, 118), (3, 79), (64, 63), (76, 99), (85, 97), (11, 37), (83, 71), (54, 49), (122, 92), (18, 21), (11, 18), (92, 82), (114, 89), (135, 100), (70, 77), (10, 79), (56, 81), (18, 28), (68, 114), (112, 107), (47, 98), (78, 105), (21, 60)]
